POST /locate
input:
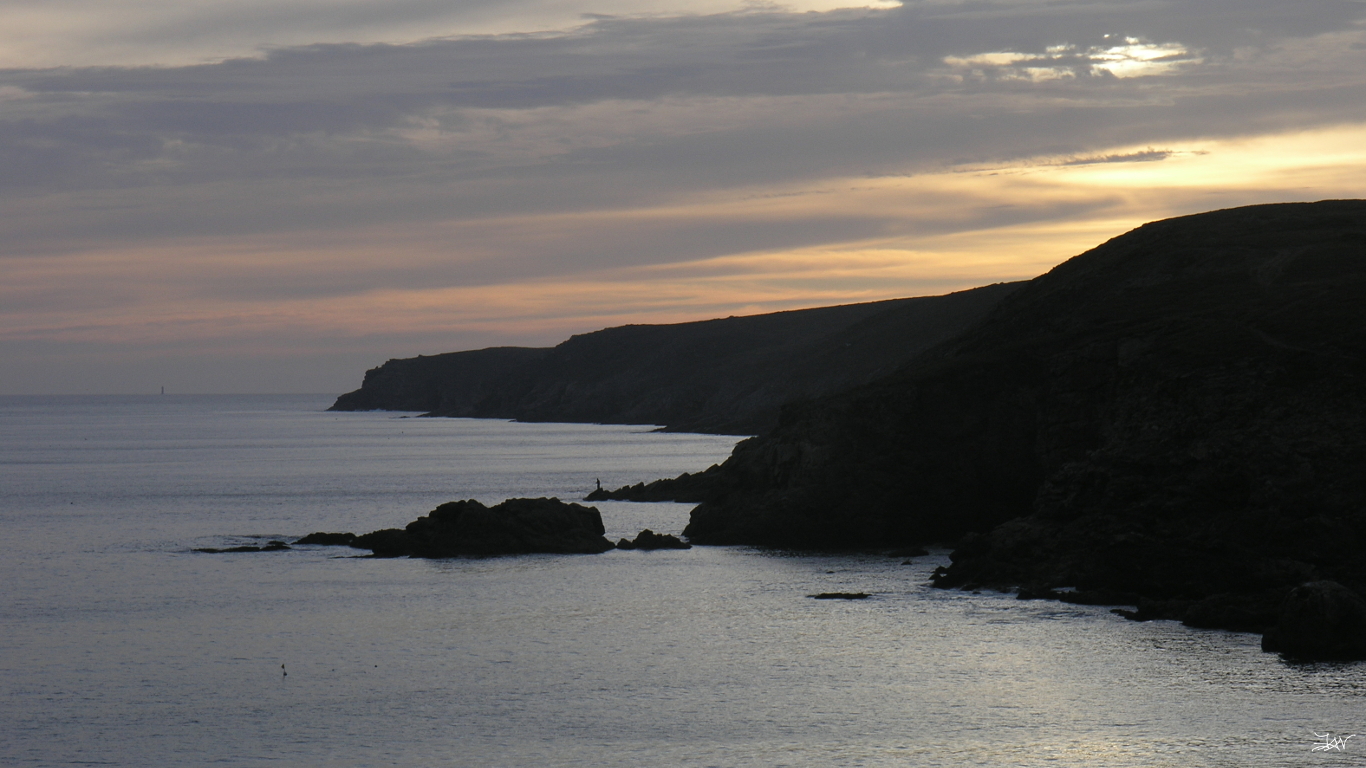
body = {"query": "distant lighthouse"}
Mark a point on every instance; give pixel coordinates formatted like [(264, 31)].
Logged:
[(163, 390)]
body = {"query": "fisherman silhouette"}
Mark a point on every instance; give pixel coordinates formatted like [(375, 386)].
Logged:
[(599, 482)]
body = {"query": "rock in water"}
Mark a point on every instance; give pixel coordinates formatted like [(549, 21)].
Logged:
[(328, 539), (274, 546), (1320, 620), (648, 539), (516, 526)]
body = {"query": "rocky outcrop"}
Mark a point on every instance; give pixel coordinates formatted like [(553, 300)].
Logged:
[(686, 487), (1319, 620), (516, 526), (725, 376), (648, 539)]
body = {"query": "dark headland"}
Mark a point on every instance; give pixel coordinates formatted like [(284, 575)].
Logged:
[(1174, 420), (726, 376)]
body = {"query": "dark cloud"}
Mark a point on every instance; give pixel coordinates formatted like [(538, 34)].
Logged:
[(630, 110), (751, 54)]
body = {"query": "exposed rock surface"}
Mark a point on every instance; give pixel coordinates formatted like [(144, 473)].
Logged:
[(516, 526), (648, 539), (1175, 419), (725, 376)]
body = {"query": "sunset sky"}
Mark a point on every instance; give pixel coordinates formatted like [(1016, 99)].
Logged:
[(274, 195)]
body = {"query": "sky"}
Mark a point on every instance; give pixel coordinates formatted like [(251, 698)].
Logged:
[(275, 195)]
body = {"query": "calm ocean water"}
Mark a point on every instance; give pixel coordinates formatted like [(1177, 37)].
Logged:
[(120, 646)]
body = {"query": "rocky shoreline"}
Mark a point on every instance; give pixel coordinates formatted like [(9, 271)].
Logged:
[(1174, 422)]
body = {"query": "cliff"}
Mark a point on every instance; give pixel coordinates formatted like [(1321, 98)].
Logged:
[(1175, 419), (725, 376)]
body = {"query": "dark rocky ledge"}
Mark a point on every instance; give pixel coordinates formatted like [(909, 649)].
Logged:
[(516, 526), (686, 488)]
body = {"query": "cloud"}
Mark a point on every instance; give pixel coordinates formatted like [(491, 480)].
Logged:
[(779, 155), (1144, 156), (39, 33)]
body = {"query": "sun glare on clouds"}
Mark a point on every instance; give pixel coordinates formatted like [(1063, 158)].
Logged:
[(1129, 57)]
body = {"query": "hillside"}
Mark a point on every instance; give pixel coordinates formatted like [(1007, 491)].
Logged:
[(725, 376), (1175, 419)]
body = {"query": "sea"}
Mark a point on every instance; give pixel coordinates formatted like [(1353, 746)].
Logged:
[(120, 645)]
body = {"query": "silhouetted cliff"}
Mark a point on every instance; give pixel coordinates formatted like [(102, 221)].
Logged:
[(726, 376), (1177, 416)]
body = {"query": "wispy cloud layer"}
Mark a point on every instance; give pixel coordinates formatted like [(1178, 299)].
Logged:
[(467, 190)]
